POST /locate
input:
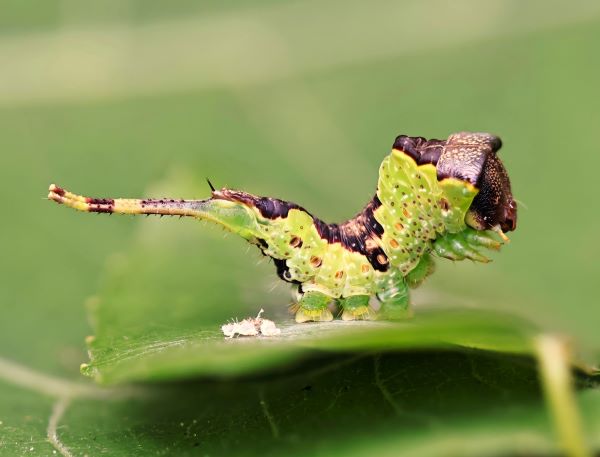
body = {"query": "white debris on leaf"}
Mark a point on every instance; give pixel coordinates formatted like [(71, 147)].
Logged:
[(251, 326), (244, 328), (268, 328)]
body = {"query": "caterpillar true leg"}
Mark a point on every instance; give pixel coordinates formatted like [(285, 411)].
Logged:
[(313, 307), (465, 245)]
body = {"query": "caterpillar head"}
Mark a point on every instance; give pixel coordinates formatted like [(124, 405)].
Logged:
[(494, 204), (472, 157)]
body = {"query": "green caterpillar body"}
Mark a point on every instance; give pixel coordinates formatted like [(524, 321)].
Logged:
[(433, 197)]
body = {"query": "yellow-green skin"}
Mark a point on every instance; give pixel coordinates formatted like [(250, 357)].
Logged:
[(419, 211), (416, 209), (410, 214)]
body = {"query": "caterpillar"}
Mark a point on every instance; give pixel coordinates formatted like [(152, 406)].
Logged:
[(435, 198)]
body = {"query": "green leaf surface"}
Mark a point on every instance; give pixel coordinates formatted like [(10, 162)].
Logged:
[(298, 101), (427, 403), (334, 405), (23, 421), (171, 355)]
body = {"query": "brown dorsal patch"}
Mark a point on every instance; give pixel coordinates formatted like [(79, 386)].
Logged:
[(361, 234), (371, 243), (316, 261), (465, 154), (421, 150), (269, 208)]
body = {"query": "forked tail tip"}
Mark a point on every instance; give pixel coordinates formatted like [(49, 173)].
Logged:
[(56, 193)]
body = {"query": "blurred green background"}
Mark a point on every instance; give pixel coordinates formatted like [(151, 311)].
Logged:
[(299, 100)]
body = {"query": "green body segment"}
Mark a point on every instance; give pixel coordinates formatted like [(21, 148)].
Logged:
[(314, 262), (415, 210), (419, 210)]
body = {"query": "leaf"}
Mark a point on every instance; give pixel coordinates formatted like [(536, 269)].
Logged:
[(23, 421), (170, 355), (461, 372), (159, 313), (427, 403), (531, 76)]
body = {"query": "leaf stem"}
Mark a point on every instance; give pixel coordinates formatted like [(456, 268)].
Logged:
[(555, 370)]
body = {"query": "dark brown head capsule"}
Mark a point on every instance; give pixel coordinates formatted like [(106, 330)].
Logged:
[(472, 157)]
